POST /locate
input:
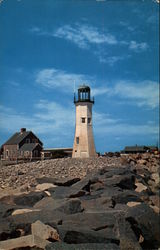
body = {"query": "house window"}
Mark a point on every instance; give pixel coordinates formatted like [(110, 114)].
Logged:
[(27, 140), (83, 119), (7, 153), (77, 140), (89, 120), (34, 140)]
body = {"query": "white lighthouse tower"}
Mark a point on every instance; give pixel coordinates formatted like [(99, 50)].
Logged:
[(83, 141)]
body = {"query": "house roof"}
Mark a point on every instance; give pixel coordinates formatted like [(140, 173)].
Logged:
[(135, 148), (29, 146), (57, 149), (17, 138), (152, 147)]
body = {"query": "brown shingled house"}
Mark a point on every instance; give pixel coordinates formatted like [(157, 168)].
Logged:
[(22, 145)]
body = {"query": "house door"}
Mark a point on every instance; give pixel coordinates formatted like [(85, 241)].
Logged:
[(35, 153)]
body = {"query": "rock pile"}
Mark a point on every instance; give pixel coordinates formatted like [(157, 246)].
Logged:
[(24, 175), (114, 207)]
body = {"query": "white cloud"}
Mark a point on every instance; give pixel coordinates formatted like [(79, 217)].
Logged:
[(54, 112), (144, 93), (100, 91), (35, 29), (111, 60), (50, 119), (121, 128), (56, 123), (84, 35), (106, 125), (127, 25), (138, 47), (39, 31), (54, 78), (80, 34), (103, 120)]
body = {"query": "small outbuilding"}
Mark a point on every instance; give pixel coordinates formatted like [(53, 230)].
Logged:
[(138, 149), (50, 153)]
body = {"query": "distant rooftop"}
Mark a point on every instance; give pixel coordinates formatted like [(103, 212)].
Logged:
[(56, 149)]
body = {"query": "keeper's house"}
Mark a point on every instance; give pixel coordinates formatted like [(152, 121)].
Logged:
[(22, 145)]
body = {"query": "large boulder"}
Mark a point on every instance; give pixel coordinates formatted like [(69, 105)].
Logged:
[(66, 192), (25, 242), (120, 196), (76, 235), (45, 232), (128, 240), (123, 181), (144, 221), (24, 221), (97, 205), (66, 206), (91, 220), (126, 196), (29, 199), (59, 182), (70, 206)]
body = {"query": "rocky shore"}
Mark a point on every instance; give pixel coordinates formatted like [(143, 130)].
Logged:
[(102, 203)]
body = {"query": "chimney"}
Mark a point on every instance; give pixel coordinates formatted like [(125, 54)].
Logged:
[(23, 130)]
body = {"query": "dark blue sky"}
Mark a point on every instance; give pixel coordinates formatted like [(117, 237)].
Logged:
[(112, 46)]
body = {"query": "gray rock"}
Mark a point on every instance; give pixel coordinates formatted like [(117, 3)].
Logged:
[(93, 221), (24, 221), (128, 239), (126, 196), (66, 206), (146, 222), (44, 231), (29, 199), (66, 192), (122, 181), (59, 182), (76, 235), (28, 241), (98, 204), (70, 206), (86, 246)]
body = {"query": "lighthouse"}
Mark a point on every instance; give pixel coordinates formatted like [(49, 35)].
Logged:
[(84, 146)]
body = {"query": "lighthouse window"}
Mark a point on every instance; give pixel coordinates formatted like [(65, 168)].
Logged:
[(77, 140), (83, 119), (89, 120)]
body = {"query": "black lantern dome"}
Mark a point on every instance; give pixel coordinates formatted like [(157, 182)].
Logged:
[(84, 94)]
